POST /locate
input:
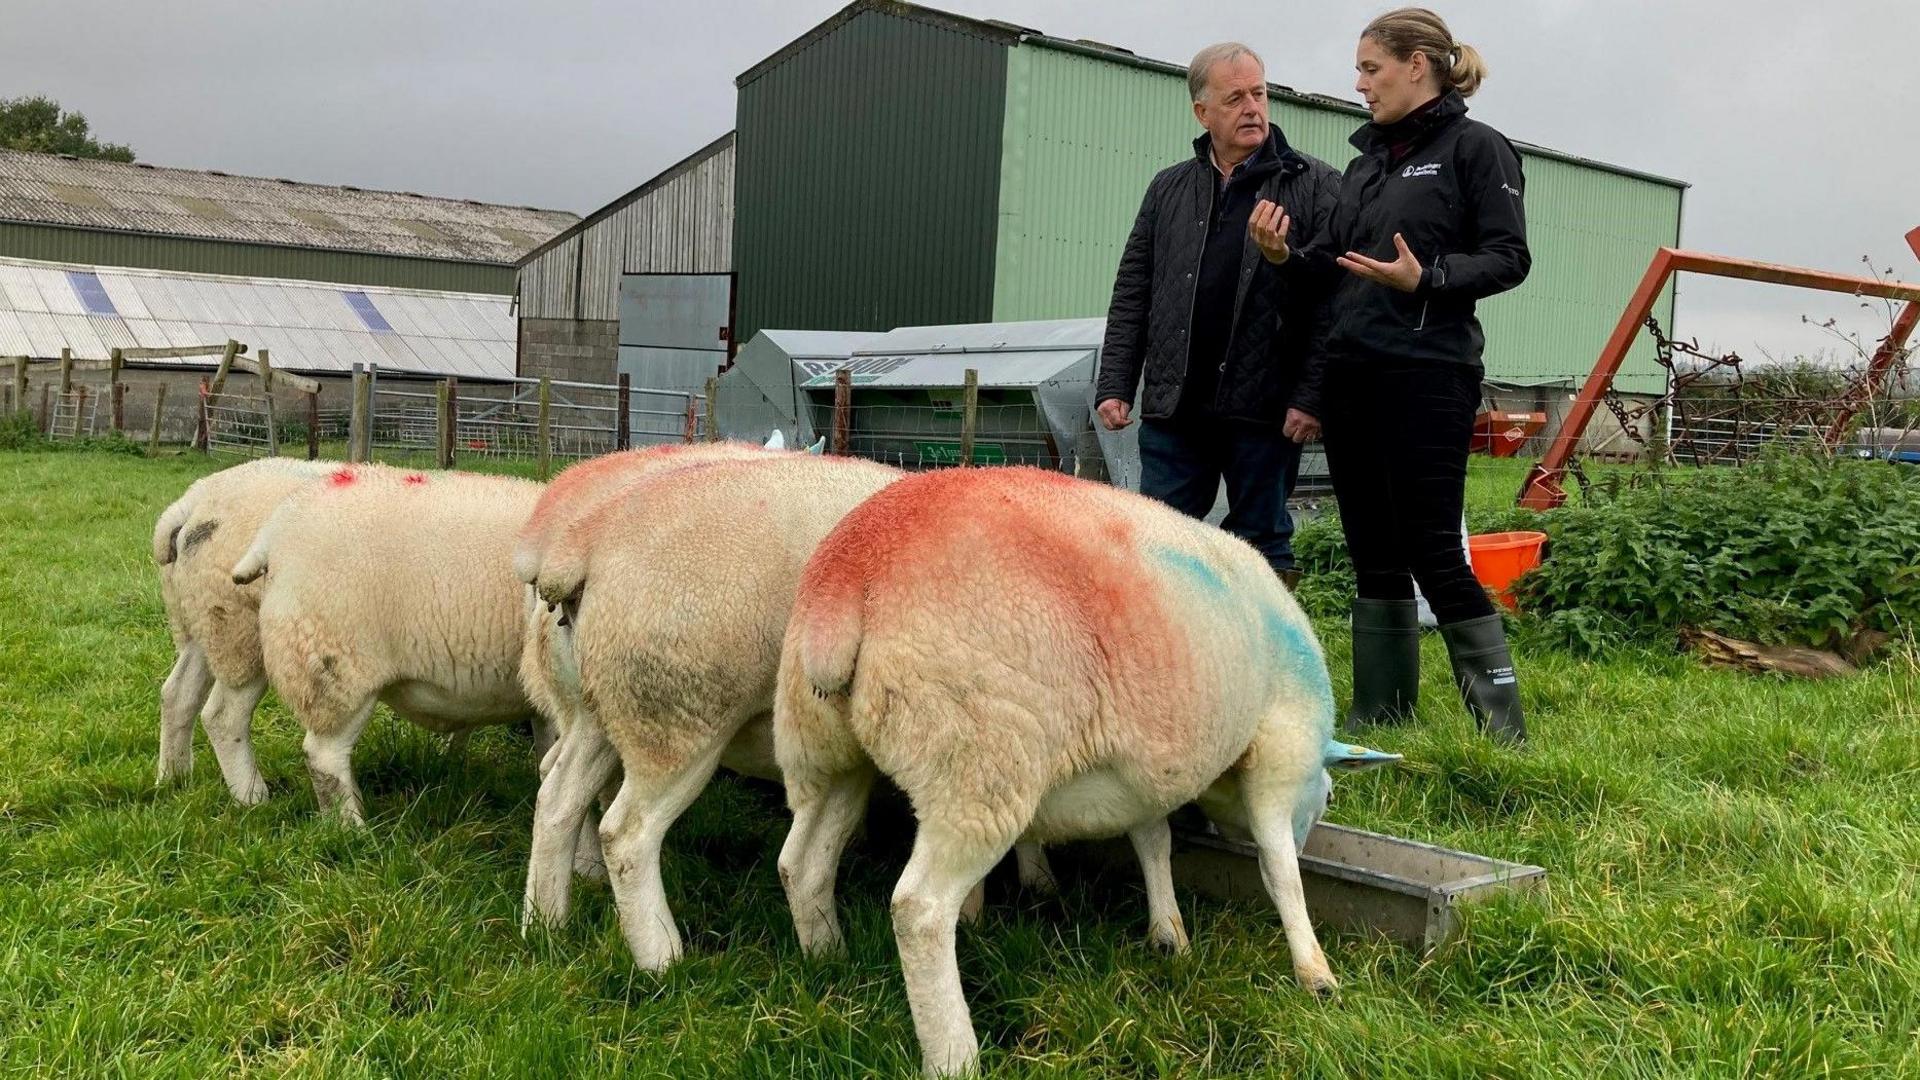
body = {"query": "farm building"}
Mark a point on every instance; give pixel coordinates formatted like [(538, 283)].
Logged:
[(103, 213), (97, 256), (1029, 155), (665, 248)]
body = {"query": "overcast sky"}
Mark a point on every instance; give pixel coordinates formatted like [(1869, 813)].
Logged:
[(1781, 114)]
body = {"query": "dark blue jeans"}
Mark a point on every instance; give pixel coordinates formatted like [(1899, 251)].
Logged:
[(1182, 463)]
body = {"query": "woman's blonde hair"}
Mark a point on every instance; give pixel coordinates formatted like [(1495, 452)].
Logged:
[(1408, 30)]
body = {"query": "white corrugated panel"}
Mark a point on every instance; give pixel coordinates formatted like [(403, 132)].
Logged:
[(58, 292), (193, 306), (113, 332), (405, 315), (179, 334), (125, 295), (157, 298), (42, 332), (13, 336), (147, 333), (77, 333), (20, 291), (401, 354), (306, 346)]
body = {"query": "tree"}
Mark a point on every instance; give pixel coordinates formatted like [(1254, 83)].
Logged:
[(39, 124)]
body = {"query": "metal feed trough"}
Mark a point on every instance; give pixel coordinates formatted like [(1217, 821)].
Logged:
[(1357, 882), (1035, 402)]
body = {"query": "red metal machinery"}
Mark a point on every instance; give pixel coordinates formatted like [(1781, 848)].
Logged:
[(1542, 490)]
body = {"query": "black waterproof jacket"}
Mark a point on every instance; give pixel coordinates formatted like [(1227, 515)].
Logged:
[(1272, 360), (1456, 194)]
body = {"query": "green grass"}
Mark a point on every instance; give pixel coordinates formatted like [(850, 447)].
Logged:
[(1733, 887)]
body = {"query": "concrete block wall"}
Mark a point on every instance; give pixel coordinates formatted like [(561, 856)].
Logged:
[(570, 350)]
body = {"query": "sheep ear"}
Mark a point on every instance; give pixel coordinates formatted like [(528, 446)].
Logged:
[(1350, 757), (819, 446), (777, 440)]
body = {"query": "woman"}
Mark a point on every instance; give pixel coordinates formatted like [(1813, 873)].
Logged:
[(1430, 220)]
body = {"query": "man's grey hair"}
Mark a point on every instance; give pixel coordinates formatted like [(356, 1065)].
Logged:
[(1205, 59)]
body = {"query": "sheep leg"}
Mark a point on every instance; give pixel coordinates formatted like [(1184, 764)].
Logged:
[(1272, 825), (926, 909), (826, 811), (1036, 873), (1153, 843), (635, 826), (228, 721), (579, 764), (546, 736), (330, 763), (181, 697)]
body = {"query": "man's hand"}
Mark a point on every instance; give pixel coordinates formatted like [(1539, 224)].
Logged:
[(1268, 226), (1113, 413), (1300, 427), (1402, 273)]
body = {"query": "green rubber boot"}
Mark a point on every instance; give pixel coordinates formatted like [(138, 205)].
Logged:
[(1483, 668), (1386, 661)]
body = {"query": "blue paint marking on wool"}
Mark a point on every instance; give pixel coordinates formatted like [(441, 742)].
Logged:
[(1193, 567)]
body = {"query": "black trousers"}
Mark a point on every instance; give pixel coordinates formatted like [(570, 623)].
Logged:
[(1183, 460), (1396, 435)]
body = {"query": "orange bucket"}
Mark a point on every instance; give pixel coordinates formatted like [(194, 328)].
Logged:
[(1500, 558)]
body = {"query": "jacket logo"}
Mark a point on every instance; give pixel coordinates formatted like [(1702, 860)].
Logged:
[(1510, 189), (1432, 168)]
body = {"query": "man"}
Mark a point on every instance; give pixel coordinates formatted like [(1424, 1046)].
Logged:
[(1232, 371)]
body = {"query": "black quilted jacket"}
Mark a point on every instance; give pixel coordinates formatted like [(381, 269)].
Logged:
[(1274, 360)]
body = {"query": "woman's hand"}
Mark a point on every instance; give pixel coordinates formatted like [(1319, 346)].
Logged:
[(1402, 273)]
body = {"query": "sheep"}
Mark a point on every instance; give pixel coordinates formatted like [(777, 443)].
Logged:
[(215, 623), (391, 586), (1033, 656), (676, 592), (548, 672)]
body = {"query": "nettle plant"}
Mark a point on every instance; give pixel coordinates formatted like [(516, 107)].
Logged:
[(1799, 549)]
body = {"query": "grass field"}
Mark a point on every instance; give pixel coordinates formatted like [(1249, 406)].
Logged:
[(1733, 887)]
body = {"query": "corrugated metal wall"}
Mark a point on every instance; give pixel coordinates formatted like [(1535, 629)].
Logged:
[(868, 180), (1083, 136), (95, 248), (684, 226)]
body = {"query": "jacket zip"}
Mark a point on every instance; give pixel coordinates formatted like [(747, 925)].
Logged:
[(1423, 316), (1193, 293)]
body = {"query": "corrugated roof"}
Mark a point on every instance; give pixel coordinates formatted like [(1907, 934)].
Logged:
[(307, 326), (1010, 35), (53, 189)]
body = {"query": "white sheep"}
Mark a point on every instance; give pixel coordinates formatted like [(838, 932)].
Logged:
[(549, 672), (391, 586), (215, 623), (676, 593), (1032, 656)]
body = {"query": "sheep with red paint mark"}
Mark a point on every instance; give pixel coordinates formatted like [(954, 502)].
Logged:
[(381, 587), (217, 670), (676, 592), (1031, 656)]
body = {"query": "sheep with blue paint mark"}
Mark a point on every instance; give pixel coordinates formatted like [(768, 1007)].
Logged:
[(1033, 657)]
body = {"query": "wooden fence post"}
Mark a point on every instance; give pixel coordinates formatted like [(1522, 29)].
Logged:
[(118, 390), (203, 435), (159, 410), (453, 422), (543, 428), (273, 414), (623, 413), (842, 410), (79, 397), (713, 416), (20, 384), (969, 414), (226, 365), (313, 425), (356, 420), (66, 373), (442, 427), (46, 408), (690, 423)]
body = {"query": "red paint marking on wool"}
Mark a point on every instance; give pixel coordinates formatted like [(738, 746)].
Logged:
[(416, 478), (1045, 537), (341, 478)]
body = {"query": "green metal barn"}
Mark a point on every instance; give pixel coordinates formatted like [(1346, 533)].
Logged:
[(901, 166)]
